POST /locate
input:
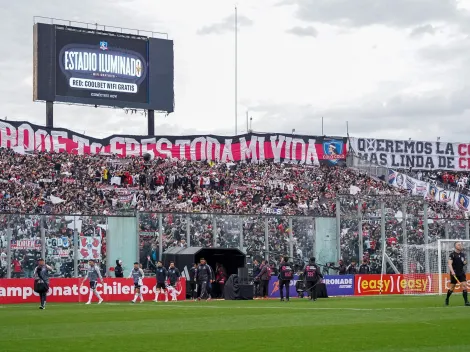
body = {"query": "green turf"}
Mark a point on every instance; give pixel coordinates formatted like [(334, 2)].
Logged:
[(365, 324)]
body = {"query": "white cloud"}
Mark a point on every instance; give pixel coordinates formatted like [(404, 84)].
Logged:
[(374, 65), (303, 31), (228, 24), (397, 13), (421, 30)]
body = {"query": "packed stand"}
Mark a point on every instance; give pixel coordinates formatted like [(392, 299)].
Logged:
[(59, 242), (443, 222), (104, 185), (456, 181), (218, 199)]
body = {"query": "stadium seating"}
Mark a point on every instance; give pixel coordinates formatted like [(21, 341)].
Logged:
[(102, 185)]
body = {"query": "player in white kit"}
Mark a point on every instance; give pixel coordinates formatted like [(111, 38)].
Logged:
[(93, 274), (138, 275)]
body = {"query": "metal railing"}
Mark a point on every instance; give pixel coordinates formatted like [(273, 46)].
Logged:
[(364, 226), (99, 27)]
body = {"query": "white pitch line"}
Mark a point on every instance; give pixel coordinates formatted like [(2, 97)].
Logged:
[(202, 306), (427, 323), (312, 308)]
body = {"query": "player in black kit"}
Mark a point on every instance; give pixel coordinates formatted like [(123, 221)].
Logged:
[(457, 262)]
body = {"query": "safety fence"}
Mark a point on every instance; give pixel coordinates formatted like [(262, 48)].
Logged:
[(364, 226)]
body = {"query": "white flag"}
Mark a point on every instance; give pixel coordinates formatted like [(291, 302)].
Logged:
[(56, 200)]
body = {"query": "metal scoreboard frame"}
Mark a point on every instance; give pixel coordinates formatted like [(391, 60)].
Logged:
[(97, 65)]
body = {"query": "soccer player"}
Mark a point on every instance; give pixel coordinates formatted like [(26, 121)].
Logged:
[(138, 275), (161, 275), (456, 264), (173, 276), (93, 274), (286, 274)]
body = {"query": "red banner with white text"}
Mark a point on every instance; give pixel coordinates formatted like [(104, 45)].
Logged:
[(13, 291), (22, 137)]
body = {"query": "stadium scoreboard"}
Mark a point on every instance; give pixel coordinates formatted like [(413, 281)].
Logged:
[(95, 67)]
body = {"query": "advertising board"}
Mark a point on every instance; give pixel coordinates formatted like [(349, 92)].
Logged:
[(396, 284), (13, 291), (336, 285), (102, 68)]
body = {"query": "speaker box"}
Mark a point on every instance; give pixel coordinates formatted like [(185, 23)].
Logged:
[(243, 275), (246, 291)]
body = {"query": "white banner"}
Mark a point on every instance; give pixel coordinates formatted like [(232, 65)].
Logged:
[(274, 211), (89, 248), (429, 191), (418, 155)]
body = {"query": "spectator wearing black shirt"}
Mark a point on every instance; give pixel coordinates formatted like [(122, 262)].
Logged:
[(341, 268), (29, 265), (364, 268), (118, 271), (351, 269)]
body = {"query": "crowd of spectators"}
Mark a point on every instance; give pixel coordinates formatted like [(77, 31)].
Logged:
[(224, 203), (103, 185), (59, 232), (457, 181)]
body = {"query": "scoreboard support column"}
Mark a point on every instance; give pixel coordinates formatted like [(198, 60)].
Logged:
[(49, 114), (151, 122)]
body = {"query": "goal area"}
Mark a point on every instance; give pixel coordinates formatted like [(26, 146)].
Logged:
[(425, 269)]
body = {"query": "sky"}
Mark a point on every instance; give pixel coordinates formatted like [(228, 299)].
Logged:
[(394, 69)]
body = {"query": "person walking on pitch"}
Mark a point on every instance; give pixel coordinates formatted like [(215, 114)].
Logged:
[(138, 275), (204, 276), (93, 274), (456, 263), (41, 281)]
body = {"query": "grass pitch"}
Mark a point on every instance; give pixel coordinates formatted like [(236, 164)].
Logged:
[(359, 324)]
